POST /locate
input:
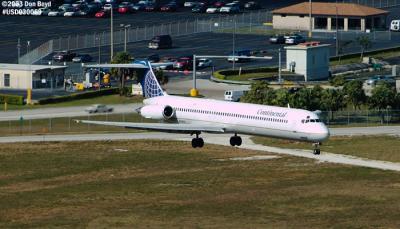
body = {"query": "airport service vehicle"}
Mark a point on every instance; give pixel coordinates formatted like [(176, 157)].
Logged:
[(98, 108), (82, 58), (204, 63), (372, 81), (294, 40), (161, 41), (395, 25), (196, 115), (233, 95), (277, 39)]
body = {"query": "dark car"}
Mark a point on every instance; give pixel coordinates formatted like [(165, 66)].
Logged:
[(277, 39), (252, 5), (161, 41), (125, 7), (184, 63), (64, 56), (199, 9), (152, 7), (170, 7), (82, 58)]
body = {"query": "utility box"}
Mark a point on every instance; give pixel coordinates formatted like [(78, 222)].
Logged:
[(310, 59)]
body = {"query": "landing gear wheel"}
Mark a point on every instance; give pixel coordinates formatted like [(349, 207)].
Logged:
[(197, 142), (235, 141)]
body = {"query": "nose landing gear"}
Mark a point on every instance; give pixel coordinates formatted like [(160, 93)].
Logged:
[(235, 140), (317, 150)]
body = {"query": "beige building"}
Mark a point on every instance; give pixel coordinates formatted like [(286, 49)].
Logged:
[(323, 17), (22, 76)]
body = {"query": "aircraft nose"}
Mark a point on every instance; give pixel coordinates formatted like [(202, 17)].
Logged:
[(324, 133), (138, 110)]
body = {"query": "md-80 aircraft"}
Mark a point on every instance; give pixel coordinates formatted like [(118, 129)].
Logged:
[(197, 115)]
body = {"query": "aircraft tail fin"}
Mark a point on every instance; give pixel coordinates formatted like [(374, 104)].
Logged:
[(150, 86)]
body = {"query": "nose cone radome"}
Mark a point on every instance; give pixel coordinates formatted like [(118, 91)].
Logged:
[(323, 133)]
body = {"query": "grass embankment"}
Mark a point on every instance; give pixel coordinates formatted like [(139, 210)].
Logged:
[(153, 184), (107, 99), (386, 148)]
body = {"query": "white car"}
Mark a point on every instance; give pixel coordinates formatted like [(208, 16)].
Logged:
[(98, 108), (56, 13), (212, 10), (230, 8), (203, 63), (71, 12), (41, 11)]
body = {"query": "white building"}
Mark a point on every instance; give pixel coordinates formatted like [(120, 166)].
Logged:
[(23, 76), (310, 59)]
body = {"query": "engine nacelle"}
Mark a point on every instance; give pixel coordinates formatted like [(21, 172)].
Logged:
[(158, 112)]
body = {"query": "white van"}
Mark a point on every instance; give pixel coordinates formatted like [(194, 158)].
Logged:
[(395, 25), (234, 95)]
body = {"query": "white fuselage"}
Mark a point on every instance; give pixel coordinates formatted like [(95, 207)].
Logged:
[(245, 118)]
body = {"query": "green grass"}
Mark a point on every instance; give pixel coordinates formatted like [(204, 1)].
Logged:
[(155, 184), (107, 99), (386, 148)]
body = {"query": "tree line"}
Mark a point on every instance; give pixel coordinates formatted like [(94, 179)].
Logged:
[(383, 97)]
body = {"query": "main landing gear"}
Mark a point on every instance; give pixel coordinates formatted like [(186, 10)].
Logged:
[(316, 150), (235, 140), (197, 142)]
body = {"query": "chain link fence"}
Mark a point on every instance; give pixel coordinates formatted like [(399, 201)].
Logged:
[(68, 125), (135, 34)]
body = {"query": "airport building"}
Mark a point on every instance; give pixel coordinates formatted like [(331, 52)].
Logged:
[(310, 59), (349, 16), (23, 76)]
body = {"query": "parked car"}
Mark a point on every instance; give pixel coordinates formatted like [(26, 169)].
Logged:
[(161, 41), (219, 4), (199, 9), (294, 40), (41, 12), (152, 7), (212, 10), (103, 14), (71, 12), (56, 13), (230, 8), (64, 56), (372, 81), (98, 108), (252, 5), (170, 7), (204, 62), (277, 39), (184, 63), (125, 7), (82, 58)]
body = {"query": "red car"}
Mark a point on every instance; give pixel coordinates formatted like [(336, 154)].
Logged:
[(169, 8), (125, 7), (102, 14), (219, 4), (184, 63)]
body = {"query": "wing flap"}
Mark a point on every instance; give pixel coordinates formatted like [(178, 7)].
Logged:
[(164, 127)]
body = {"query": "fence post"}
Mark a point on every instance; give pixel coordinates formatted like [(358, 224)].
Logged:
[(50, 124), (77, 41), (30, 125), (178, 29), (367, 117), (348, 118), (69, 123), (186, 27), (69, 37)]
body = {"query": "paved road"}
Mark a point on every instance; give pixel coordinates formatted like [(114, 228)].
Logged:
[(220, 140), (61, 112)]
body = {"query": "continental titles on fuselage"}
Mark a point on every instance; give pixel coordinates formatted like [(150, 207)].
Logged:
[(272, 113)]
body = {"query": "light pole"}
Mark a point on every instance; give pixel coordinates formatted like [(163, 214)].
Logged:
[(98, 38), (125, 28), (310, 14), (112, 34), (337, 31), (19, 49), (233, 42)]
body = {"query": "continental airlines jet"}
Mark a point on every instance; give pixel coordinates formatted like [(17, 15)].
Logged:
[(196, 115)]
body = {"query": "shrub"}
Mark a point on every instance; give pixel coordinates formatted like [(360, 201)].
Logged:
[(84, 95), (12, 99)]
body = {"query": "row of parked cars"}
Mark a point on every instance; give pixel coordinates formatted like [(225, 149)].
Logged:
[(102, 8), (67, 56)]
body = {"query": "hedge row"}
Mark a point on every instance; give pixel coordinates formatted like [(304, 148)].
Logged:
[(223, 73), (83, 95), (12, 99)]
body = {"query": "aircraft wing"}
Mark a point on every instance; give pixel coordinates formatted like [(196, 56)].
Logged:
[(163, 127)]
